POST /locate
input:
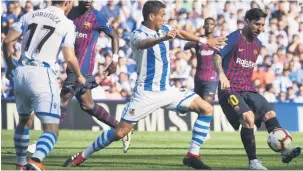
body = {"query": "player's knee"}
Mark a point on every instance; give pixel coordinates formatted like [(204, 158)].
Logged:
[(87, 106), (248, 119), (208, 109), (269, 115)]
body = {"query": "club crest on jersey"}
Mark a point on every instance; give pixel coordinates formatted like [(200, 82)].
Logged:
[(255, 53), (87, 25)]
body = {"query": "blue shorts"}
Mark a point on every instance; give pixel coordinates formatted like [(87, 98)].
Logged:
[(205, 88)]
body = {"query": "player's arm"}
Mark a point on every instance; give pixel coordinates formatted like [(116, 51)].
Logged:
[(103, 25), (13, 35), (145, 43), (69, 53), (190, 45), (220, 54), (217, 63), (112, 68), (212, 42)]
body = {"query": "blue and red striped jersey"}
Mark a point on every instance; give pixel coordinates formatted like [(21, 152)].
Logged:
[(88, 27), (239, 59), (205, 70)]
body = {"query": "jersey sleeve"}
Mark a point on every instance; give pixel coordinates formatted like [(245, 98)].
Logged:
[(103, 24), (20, 25), (166, 28), (69, 37), (136, 36), (230, 44)]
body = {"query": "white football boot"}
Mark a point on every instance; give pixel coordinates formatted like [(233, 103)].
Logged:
[(256, 165), (126, 141)]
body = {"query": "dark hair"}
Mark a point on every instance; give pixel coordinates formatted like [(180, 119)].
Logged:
[(152, 7), (255, 14), (56, 2), (209, 18)]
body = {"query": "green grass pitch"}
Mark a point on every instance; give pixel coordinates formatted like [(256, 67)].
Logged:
[(154, 151)]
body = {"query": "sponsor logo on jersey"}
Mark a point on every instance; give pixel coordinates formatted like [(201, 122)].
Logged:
[(87, 25), (81, 35), (206, 52), (245, 63)]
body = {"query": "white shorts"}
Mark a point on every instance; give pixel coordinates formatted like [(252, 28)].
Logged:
[(144, 103), (36, 89)]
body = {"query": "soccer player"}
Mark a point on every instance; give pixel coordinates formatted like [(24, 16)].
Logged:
[(150, 47), (206, 77), (45, 32), (89, 23), (238, 97)]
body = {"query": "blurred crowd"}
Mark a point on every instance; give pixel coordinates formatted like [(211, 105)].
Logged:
[(278, 74)]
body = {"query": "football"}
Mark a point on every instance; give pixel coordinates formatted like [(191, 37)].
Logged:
[(279, 140)]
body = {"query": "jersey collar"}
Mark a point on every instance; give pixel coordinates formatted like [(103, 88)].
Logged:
[(56, 9), (147, 30)]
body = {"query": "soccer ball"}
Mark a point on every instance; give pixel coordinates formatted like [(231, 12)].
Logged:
[(279, 140)]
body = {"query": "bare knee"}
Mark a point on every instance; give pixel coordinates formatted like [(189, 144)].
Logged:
[(201, 106), (87, 106), (248, 120), (269, 115)]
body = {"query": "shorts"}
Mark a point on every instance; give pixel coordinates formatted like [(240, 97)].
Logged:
[(36, 89), (236, 103), (69, 84), (206, 88), (143, 103)]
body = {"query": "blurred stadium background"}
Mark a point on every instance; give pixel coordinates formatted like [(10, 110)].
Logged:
[(278, 75)]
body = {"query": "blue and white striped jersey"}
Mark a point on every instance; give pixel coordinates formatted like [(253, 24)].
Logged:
[(153, 64)]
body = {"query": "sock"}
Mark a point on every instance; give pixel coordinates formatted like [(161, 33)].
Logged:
[(200, 131), (104, 140), (63, 114), (272, 124), (21, 141), (44, 145), (248, 140), (102, 115)]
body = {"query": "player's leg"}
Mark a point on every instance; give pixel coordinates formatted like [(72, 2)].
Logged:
[(190, 101), (21, 140), (89, 106), (238, 112), (200, 131), (24, 108), (206, 90), (138, 108), (65, 97), (266, 113), (46, 102)]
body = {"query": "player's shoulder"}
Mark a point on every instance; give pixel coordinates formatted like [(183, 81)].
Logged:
[(259, 41)]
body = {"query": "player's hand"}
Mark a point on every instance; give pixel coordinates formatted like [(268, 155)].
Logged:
[(225, 84), (112, 68), (171, 34), (216, 43), (10, 73), (81, 80)]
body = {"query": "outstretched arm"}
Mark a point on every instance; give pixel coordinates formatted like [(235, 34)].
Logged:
[(217, 63), (190, 45), (212, 42), (150, 42)]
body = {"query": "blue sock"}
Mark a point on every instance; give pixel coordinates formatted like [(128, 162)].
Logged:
[(45, 145), (21, 141), (104, 140), (200, 132)]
